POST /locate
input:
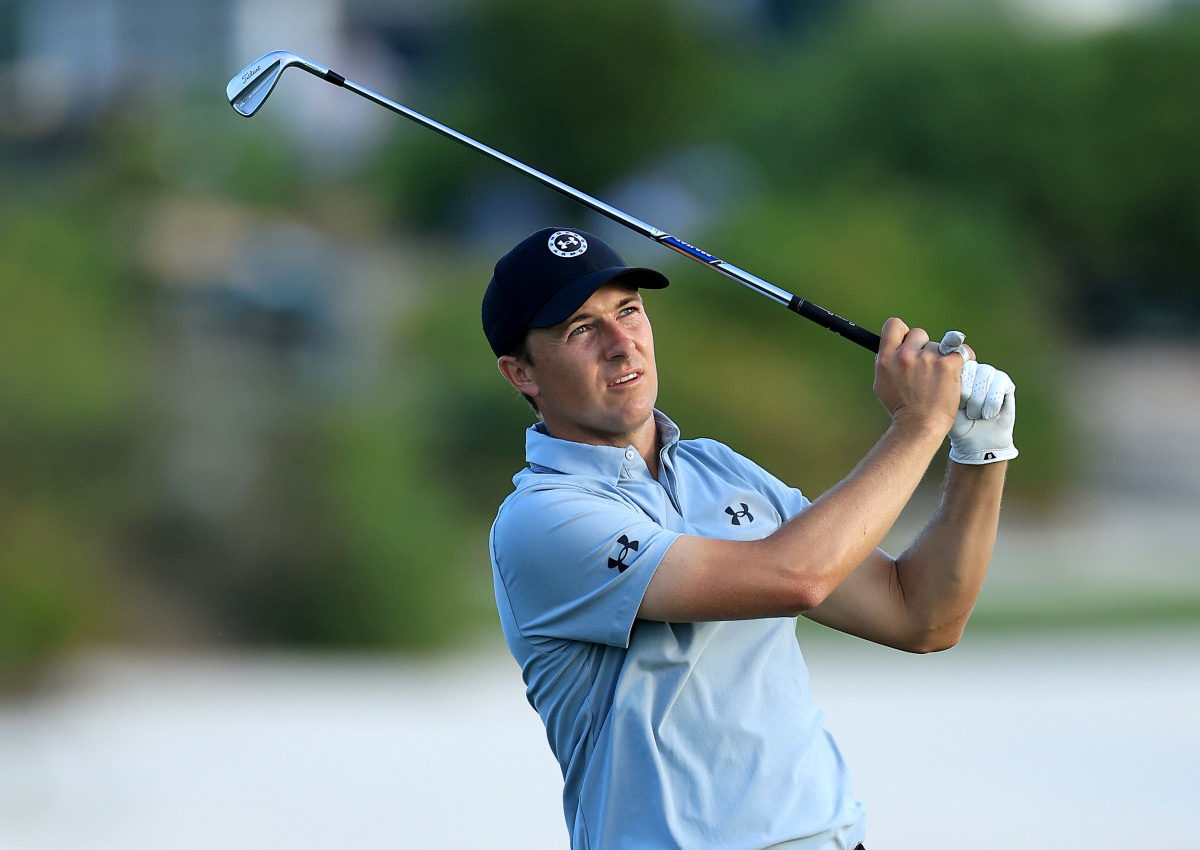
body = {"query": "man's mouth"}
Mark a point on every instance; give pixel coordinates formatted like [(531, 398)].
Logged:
[(624, 379)]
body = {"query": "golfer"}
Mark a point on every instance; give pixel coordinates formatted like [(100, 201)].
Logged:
[(649, 585)]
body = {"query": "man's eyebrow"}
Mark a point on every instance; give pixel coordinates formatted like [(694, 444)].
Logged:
[(631, 298), (578, 317), (583, 315)]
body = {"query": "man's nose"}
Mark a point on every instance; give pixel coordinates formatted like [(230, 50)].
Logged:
[(617, 343)]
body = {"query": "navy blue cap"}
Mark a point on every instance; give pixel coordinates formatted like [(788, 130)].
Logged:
[(546, 278)]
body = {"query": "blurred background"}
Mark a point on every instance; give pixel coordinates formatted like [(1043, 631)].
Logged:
[(252, 438)]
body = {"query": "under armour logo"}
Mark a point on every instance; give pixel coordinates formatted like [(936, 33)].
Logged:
[(627, 546), (738, 515), (989, 456), (565, 243)]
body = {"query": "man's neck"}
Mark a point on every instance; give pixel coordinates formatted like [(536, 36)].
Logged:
[(645, 441)]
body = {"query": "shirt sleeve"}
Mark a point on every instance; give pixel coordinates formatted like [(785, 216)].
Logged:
[(574, 563), (787, 501)]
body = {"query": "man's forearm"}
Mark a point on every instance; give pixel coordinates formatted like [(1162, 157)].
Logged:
[(841, 528), (942, 572)]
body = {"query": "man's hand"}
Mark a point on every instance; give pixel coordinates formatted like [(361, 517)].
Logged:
[(983, 429), (914, 380)]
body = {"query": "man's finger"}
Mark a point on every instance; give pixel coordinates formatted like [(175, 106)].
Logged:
[(968, 382), (985, 378), (916, 338), (952, 341), (892, 335), (1002, 386)]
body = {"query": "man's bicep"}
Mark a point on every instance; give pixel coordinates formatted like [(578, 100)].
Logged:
[(702, 579), (869, 603)]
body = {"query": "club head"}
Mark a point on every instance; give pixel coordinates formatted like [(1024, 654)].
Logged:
[(250, 88)]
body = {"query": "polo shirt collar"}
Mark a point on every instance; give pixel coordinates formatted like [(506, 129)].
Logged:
[(550, 454)]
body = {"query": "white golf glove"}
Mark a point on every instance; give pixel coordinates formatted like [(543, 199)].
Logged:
[(983, 430)]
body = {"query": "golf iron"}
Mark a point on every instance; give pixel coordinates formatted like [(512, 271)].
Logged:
[(249, 89)]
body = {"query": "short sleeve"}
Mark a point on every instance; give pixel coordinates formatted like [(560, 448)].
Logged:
[(574, 563), (787, 501)]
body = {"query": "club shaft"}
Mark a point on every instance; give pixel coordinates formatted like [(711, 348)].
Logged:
[(825, 318)]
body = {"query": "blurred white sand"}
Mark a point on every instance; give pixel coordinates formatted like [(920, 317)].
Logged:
[(1078, 741)]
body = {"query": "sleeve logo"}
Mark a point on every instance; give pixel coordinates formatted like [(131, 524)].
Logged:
[(738, 516), (627, 546)]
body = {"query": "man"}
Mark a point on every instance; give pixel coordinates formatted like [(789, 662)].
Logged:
[(648, 586)]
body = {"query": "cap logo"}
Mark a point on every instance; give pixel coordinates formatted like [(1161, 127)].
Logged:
[(566, 243)]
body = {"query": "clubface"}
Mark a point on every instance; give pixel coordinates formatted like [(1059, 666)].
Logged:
[(248, 89)]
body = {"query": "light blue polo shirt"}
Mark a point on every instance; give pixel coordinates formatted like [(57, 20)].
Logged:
[(669, 735)]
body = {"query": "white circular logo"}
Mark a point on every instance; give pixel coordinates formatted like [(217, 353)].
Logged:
[(567, 243)]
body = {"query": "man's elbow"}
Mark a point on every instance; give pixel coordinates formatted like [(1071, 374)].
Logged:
[(806, 592), (938, 639)]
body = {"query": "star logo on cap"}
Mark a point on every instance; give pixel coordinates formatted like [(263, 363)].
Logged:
[(566, 243)]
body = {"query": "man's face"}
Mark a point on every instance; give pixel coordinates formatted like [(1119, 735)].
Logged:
[(593, 375)]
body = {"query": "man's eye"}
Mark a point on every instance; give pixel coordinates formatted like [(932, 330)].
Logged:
[(578, 330)]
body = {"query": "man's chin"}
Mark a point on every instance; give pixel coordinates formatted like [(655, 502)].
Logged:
[(637, 419)]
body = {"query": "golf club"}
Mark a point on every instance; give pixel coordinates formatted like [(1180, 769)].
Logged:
[(248, 90)]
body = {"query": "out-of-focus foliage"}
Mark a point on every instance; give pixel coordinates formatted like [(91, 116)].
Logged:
[(587, 89), (1031, 191), (1088, 147), (581, 91), (402, 558), (69, 341)]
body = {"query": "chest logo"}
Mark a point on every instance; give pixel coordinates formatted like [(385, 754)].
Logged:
[(736, 517), (627, 546)]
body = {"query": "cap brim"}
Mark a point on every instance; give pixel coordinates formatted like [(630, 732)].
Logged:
[(571, 297)]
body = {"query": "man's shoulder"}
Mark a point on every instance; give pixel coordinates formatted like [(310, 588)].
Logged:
[(704, 444), (713, 459), (536, 490), (705, 450), (540, 479)]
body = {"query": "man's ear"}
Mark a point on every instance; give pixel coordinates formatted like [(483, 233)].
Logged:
[(519, 373)]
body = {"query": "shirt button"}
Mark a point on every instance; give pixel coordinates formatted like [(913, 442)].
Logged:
[(630, 454)]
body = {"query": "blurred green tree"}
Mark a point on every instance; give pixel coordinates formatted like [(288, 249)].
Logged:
[(1088, 146), (583, 91), (69, 390)]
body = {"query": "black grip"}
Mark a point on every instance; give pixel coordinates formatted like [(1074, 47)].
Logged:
[(835, 323), (335, 78)]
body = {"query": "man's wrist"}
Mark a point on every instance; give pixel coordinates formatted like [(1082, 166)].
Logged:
[(982, 456), (931, 429)]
